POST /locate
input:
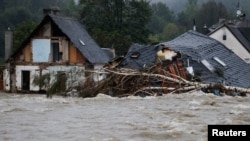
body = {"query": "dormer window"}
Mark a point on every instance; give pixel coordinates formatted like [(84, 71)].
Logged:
[(217, 59), (208, 65)]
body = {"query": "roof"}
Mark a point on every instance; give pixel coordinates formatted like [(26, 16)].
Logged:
[(197, 47), (146, 56), (240, 29), (81, 39), (77, 35)]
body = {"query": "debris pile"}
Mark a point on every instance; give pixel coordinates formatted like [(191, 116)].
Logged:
[(125, 82)]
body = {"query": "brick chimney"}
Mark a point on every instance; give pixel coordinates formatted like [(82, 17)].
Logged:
[(8, 43)]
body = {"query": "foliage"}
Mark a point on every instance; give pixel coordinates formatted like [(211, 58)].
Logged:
[(186, 17), (210, 13), (22, 31), (170, 31), (72, 9), (58, 86), (161, 16), (42, 81), (55, 87), (116, 23), (14, 12)]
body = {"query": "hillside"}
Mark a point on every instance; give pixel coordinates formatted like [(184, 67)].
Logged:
[(179, 5)]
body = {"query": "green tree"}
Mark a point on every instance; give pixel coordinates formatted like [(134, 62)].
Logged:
[(186, 17), (116, 23), (170, 31), (161, 16), (72, 9), (14, 12), (22, 31), (210, 13)]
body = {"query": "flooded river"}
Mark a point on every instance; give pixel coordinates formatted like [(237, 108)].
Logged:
[(175, 117)]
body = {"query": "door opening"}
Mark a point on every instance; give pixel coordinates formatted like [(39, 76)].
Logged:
[(26, 80)]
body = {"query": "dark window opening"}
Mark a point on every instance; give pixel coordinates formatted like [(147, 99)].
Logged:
[(135, 55), (56, 55), (224, 37)]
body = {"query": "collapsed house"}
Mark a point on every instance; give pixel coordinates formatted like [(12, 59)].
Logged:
[(150, 59), (58, 45), (191, 56), (210, 61)]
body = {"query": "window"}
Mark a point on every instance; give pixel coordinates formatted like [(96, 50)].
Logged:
[(224, 37), (57, 55), (208, 65), (135, 55), (217, 59)]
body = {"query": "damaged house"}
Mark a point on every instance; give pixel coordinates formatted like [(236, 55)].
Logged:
[(58, 45), (152, 59), (209, 61), (192, 56), (141, 57)]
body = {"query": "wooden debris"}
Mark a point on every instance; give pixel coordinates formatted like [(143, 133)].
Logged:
[(124, 82)]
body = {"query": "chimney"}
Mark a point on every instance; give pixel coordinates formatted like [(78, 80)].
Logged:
[(51, 11), (8, 43), (205, 29), (194, 25)]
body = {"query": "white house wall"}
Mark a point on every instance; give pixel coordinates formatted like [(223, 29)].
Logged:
[(34, 70), (231, 43), (6, 79), (75, 74)]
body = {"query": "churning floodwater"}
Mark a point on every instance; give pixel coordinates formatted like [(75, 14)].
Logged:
[(173, 117)]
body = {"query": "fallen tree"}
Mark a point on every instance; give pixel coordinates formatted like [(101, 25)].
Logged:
[(125, 82)]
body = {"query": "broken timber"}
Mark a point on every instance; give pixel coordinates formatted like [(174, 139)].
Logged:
[(124, 82)]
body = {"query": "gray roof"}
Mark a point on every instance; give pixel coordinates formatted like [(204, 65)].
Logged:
[(81, 39), (196, 47), (146, 56), (243, 35)]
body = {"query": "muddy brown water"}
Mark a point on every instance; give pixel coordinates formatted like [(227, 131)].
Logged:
[(174, 117)]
